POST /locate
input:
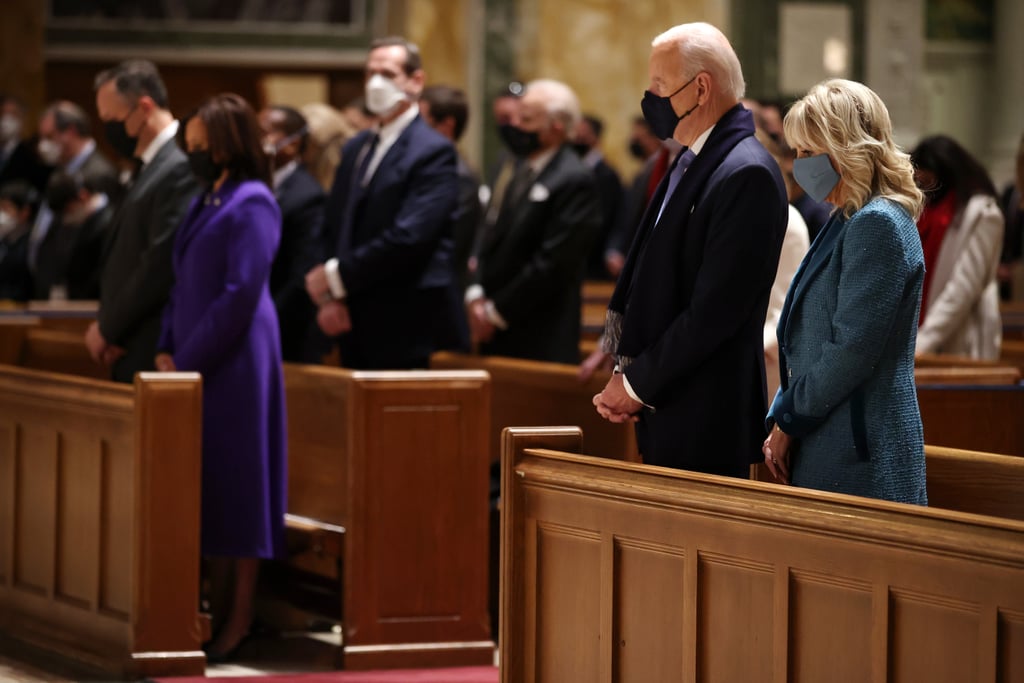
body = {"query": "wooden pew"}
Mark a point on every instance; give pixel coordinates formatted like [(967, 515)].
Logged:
[(1012, 353), (617, 571), (971, 375), (99, 520), (595, 296), (48, 339), (980, 483), (1013, 319), (529, 393), (982, 418), (388, 481)]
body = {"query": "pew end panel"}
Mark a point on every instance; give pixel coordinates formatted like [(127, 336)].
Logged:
[(387, 520), (617, 571), (99, 520), (415, 574)]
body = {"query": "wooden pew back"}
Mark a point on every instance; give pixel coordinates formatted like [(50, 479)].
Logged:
[(99, 520), (399, 460), (529, 393), (971, 481), (970, 375), (617, 571), (981, 418)]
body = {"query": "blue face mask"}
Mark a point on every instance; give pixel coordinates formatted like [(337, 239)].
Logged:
[(816, 175)]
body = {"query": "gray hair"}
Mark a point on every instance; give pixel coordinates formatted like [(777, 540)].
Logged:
[(704, 48), (560, 101)]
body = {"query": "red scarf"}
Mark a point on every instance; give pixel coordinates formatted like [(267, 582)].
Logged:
[(932, 225)]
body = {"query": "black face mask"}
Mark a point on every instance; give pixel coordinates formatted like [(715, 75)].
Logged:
[(519, 142), (581, 148), (637, 150), (659, 113), (203, 167), (117, 136)]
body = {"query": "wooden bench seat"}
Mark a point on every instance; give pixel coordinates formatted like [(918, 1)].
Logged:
[(99, 520), (617, 571)]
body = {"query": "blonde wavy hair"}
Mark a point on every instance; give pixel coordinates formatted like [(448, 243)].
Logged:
[(850, 122)]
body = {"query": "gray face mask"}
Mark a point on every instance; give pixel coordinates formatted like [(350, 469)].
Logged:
[(816, 175)]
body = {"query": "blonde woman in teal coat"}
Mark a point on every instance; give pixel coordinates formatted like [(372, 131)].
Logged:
[(846, 418)]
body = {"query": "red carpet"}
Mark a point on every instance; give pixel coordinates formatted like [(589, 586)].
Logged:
[(470, 674)]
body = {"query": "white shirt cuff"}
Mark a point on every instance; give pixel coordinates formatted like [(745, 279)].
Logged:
[(334, 282), (629, 390), (473, 292), (632, 394), (494, 316)]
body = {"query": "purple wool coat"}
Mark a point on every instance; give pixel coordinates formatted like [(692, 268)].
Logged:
[(220, 321)]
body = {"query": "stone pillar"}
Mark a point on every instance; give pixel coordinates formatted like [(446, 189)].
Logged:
[(22, 42), (894, 47), (1005, 95)]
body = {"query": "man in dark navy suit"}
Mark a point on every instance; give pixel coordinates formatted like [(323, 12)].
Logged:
[(302, 209), (686, 319), (389, 289)]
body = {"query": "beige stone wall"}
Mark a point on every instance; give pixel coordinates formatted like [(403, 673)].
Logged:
[(600, 48)]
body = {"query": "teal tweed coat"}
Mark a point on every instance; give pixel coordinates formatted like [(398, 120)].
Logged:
[(846, 348)]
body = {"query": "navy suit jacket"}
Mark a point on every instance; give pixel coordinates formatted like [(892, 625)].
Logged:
[(395, 251), (695, 312), (302, 209)]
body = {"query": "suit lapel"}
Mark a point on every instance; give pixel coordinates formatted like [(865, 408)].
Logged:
[(819, 255)]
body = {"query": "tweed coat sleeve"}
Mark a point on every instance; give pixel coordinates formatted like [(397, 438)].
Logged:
[(875, 277)]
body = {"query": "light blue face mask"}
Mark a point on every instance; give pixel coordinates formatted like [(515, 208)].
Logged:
[(816, 175)]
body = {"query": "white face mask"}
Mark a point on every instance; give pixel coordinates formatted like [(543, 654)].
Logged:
[(49, 151), (7, 224), (10, 127), (382, 95)]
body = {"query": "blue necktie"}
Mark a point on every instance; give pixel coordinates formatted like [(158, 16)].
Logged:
[(673, 180)]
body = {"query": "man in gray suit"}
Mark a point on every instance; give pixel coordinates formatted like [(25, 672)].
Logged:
[(132, 103)]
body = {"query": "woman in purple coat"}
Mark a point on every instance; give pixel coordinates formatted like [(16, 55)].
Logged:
[(220, 321)]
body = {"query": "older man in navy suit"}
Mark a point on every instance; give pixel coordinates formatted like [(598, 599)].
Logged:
[(390, 289), (686, 318)]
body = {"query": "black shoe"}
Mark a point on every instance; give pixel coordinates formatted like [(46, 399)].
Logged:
[(213, 657)]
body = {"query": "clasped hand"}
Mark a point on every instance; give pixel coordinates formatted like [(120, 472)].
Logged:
[(615, 404)]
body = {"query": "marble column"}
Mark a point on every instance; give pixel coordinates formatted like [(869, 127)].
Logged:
[(894, 65), (22, 43), (1005, 96)]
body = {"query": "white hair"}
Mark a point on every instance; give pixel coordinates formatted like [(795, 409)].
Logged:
[(704, 48), (560, 101)]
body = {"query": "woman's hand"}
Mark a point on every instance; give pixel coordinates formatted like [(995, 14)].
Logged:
[(776, 454), (164, 363)]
